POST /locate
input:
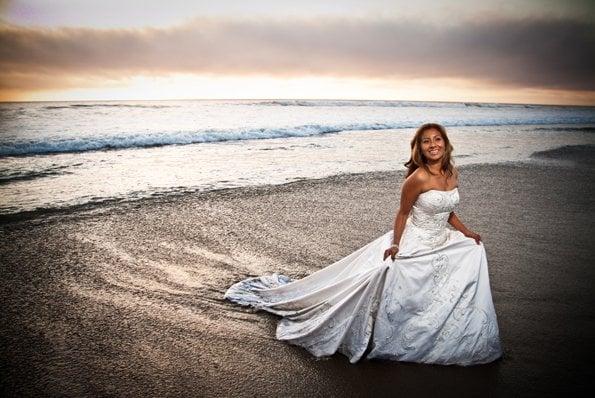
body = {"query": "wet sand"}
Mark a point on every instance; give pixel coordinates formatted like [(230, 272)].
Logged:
[(127, 299)]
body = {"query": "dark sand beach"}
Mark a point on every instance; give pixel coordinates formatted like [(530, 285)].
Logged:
[(127, 299)]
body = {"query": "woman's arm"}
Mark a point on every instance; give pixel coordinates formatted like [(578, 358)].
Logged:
[(409, 193), (459, 226)]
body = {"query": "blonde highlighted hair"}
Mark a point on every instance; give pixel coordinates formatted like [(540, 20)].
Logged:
[(418, 159)]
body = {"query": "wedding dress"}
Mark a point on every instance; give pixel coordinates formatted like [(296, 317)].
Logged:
[(432, 304)]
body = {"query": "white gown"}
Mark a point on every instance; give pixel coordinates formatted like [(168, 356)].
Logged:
[(432, 304)]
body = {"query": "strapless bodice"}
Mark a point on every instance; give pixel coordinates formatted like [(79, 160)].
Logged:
[(432, 208), (429, 217)]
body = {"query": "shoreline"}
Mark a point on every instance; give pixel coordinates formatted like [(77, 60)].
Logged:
[(553, 158), (127, 299), (47, 214)]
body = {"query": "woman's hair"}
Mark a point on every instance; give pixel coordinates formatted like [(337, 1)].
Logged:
[(418, 159)]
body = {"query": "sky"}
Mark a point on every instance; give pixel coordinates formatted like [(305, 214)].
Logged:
[(513, 51)]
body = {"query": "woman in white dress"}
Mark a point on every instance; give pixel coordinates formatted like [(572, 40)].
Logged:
[(419, 293)]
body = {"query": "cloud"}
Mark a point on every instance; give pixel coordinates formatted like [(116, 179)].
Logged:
[(537, 53)]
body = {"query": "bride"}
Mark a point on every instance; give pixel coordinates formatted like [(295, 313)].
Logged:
[(430, 303)]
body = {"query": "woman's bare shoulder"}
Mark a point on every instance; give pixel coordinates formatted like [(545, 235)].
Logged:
[(417, 179), (420, 176)]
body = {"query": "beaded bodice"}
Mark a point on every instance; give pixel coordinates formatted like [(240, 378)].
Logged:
[(429, 215)]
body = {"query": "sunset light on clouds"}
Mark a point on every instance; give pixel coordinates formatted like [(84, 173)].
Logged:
[(502, 51)]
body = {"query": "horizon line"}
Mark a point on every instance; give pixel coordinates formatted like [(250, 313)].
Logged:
[(300, 99)]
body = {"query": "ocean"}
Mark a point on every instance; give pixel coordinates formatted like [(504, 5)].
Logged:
[(63, 154)]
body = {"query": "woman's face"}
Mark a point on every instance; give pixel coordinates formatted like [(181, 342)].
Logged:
[(432, 145)]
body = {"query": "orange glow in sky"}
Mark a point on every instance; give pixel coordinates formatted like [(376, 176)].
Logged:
[(513, 51)]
